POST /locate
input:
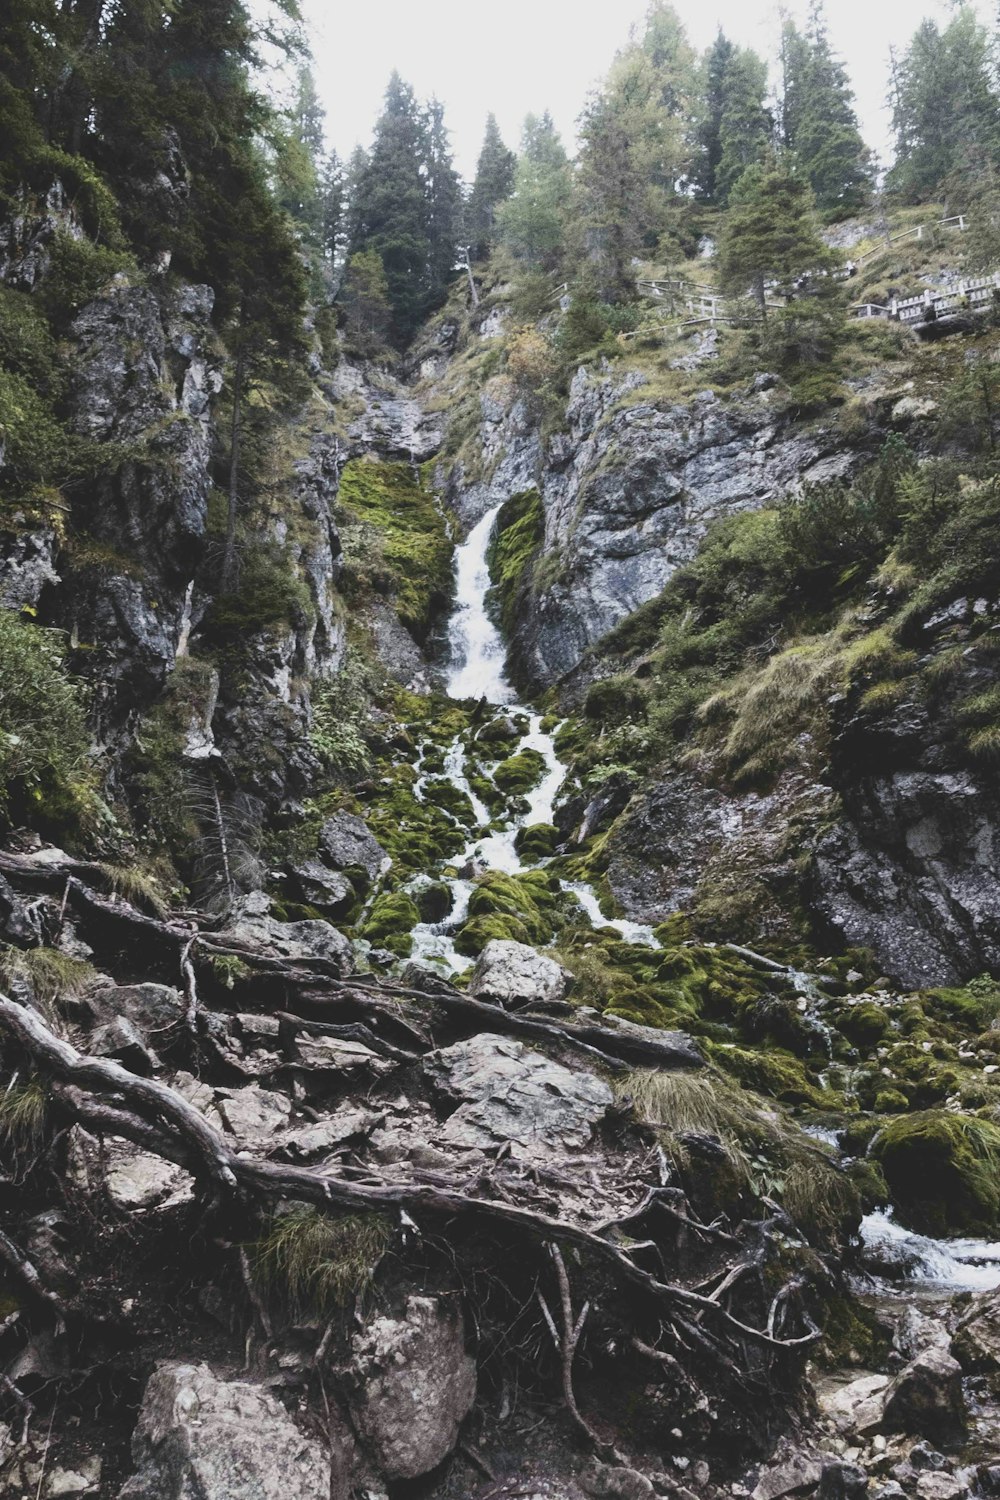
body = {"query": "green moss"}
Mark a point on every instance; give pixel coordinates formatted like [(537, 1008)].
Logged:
[(614, 699), (519, 773), (517, 539), (865, 1024), (418, 835), (775, 1073), (943, 1171), (396, 542), (537, 841), (444, 794), (270, 592), (390, 922), (529, 908), (891, 1102)]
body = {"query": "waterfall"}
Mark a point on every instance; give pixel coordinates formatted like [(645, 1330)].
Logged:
[(477, 656)]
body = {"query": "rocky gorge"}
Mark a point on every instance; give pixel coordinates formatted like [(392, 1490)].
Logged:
[(509, 1010)]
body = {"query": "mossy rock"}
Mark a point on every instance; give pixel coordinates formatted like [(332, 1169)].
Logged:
[(519, 773), (516, 542), (865, 1024), (613, 700), (451, 799), (391, 921), (891, 1102), (433, 901), (537, 841), (775, 1073), (395, 539), (943, 1172), (529, 908), (472, 936)]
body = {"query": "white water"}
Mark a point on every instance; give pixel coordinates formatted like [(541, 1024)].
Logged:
[(902, 1260), (477, 655)]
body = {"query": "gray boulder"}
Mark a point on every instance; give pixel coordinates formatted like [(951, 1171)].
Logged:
[(976, 1344), (507, 1093), (215, 1439), (346, 844), (327, 890), (926, 1397), (513, 974), (415, 1386), (252, 922)]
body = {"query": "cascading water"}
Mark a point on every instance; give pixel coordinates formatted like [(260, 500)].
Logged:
[(477, 654)]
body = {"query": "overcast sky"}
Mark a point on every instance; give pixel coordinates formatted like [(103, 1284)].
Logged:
[(528, 55)]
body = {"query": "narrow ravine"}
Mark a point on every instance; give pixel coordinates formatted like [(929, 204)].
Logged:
[(477, 655)]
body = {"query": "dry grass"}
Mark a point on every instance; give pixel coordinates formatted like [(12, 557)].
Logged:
[(23, 1110)]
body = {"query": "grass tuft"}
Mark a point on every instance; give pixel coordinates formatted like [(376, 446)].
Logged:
[(317, 1264)]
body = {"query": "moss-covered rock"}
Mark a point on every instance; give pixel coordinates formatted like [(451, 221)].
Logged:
[(396, 541), (391, 921), (537, 841), (517, 539), (775, 1073), (865, 1024), (433, 901), (529, 908), (943, 1171), (519, 773)]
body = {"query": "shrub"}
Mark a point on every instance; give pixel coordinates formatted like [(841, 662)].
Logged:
[(614, 699), (45, 772)]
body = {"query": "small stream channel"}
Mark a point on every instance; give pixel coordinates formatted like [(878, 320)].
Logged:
[(477, 654)]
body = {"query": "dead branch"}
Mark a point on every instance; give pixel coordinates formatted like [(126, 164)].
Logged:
[(566, 1341), (15, 1260)]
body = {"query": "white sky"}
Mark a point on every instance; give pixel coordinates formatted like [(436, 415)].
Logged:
[(529, 55)]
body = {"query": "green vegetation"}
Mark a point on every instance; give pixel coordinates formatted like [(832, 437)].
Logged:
[(519, 773), (390, 922), (528, 908), (23, 1114), (396, 542), (943, 1171), (46, 775), (514, 546), (316, 1264)]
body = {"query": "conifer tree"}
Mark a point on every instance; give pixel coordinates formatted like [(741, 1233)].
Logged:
[(493, 185), (333, 189), (819, 122), (390, 211), (711, 101), (612, 197), (745, 124), (532, 223), (444, 206), (770, 237), (946, 113)]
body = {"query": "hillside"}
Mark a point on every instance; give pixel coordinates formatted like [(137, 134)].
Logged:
[(499, 831)]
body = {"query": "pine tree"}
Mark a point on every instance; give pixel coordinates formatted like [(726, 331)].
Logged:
[(444, 206), (612, 197), (298, 149), (389, 210), (819, 122), (493, 185), (711, 99), (770, 236), (365, 297), (333, 189), (532, 223), (946, 113), (745, 124)]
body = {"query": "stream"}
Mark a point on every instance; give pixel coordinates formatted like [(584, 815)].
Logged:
[(477, 656), (897, 1262)]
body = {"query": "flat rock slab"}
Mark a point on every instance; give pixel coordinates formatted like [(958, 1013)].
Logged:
[(510, 973), (199, 1435), (507, 1092)]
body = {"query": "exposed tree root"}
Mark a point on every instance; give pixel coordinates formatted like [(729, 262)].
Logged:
[(158, 1119)]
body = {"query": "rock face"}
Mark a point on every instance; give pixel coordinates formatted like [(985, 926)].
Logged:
[(252, 922), (416, 1385), (629, 489), (506, 1092), (513, 974), (977, 1339), (201, 1436)]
